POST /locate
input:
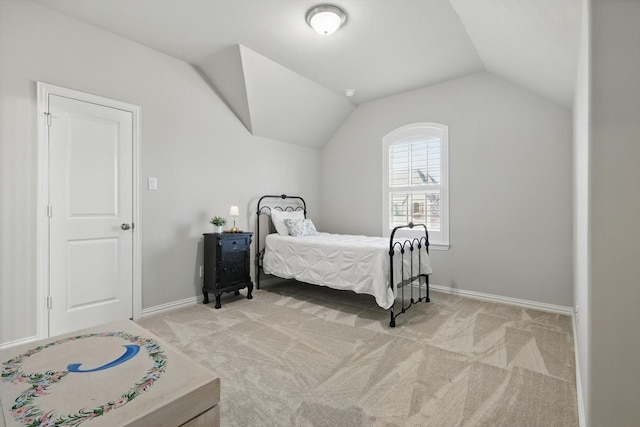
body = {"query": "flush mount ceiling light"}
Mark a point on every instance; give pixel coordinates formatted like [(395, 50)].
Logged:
[(326, 19)]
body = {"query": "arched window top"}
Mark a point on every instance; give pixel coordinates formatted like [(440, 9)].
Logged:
[(419, 130)]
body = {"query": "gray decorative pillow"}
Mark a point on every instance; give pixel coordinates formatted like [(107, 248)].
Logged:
[(300, 227), (278, 218)]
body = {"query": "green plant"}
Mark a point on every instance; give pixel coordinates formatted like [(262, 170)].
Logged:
[(218, 220)]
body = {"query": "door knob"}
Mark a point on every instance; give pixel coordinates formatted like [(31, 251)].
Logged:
[(125, 226)]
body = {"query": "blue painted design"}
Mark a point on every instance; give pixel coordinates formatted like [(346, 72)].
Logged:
[(131, 351), (26, 411)]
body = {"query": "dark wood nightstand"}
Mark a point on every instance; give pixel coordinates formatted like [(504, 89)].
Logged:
[(226, 264)]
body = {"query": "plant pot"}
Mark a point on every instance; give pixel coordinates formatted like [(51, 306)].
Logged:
[(217, 228)]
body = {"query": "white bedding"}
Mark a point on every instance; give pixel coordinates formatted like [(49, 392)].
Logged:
[(356, 263)]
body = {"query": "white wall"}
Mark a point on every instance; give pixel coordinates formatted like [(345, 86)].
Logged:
[(203, 157), (614, 209), (510, 175), (581, 299)]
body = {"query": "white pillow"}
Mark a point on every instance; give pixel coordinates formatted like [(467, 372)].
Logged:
[(301, 227), (278, 217)]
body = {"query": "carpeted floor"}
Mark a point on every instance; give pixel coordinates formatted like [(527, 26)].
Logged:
[(303, 355)]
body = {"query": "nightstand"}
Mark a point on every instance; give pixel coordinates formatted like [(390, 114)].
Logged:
[(226, 264)]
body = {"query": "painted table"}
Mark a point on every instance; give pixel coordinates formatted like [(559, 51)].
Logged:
[(117, 374)]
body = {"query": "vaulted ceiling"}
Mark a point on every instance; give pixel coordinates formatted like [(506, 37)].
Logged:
[(285, 81)]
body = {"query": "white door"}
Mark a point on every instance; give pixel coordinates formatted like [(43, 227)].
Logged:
[(91, 212)]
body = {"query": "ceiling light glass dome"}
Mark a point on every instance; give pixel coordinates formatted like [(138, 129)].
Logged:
[(326, 19)]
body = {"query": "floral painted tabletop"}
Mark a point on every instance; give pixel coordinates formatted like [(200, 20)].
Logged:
[(116, 374)]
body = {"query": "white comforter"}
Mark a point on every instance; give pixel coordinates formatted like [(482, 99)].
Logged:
[(356, 263)]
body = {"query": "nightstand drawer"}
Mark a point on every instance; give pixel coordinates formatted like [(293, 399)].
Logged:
[(239, 244)]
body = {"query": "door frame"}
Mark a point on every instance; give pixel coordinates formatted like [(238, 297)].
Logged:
[(42, 218)]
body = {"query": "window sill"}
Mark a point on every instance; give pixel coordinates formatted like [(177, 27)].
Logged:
[(439, 246)]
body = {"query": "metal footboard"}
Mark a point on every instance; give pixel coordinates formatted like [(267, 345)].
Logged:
[(399, 248)]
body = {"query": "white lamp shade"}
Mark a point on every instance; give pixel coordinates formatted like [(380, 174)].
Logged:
[(234, 211), (326, 19)]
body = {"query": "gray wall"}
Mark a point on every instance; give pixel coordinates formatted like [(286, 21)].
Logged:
[(581, 208), (510, 184), (614, 209), (204, 158)]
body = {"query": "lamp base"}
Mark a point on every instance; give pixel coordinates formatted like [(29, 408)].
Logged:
[(234, 229)]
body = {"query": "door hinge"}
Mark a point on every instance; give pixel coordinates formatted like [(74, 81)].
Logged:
[(48, 115), (49, 302), (48, 211)]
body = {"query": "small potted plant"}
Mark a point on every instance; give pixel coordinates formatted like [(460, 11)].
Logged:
[(218, 222)]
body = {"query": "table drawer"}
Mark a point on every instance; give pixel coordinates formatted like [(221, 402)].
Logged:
[(239, 243)]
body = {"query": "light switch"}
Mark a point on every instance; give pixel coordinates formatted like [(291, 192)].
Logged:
[(153, 183)]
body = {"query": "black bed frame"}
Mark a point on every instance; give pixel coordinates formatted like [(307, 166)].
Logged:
[(396, 247)]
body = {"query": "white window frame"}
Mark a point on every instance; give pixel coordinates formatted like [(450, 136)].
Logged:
[(406, 134)]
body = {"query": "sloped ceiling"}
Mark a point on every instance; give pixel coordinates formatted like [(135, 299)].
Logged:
[(533, 43), (273, 101), (274, 72)]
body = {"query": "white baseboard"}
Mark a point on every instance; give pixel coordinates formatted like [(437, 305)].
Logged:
[(145, 313), (190, 301), (170, 306), (18, 342), (505, 300)]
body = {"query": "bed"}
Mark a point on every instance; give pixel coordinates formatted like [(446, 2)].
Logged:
[(394, 270)]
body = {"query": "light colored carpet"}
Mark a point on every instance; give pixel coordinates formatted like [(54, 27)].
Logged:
[(303, 355)]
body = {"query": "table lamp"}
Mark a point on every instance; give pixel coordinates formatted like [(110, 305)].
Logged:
[(234, 213)]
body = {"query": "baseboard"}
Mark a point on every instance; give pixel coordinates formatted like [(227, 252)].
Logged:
[(145, 313), (170, 306), (191, 301), (18, 342), (505, 300)]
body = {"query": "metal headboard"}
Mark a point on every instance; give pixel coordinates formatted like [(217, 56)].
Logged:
[(264, 207)]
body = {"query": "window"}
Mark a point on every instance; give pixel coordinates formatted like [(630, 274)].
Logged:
[(416, 180)]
